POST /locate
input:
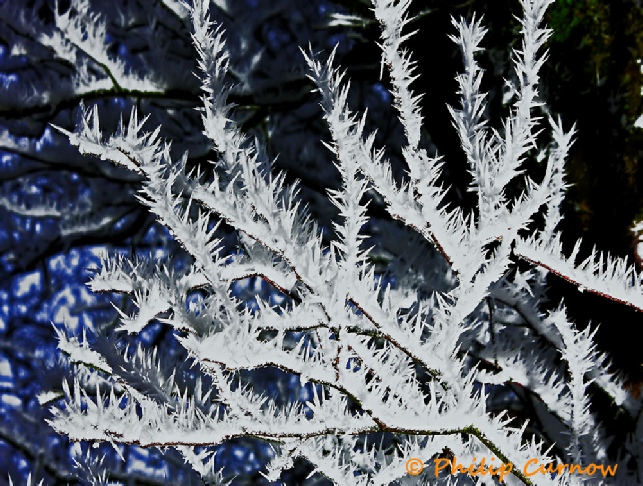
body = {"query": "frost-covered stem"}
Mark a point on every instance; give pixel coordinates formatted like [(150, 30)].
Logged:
[(519, 127), (527, 307), (562, 143), (346, 133), (238, 155), (468, 120), (392, 16), (600, 274), (253, 202), (437, 225), (349, 152), (579, 353), (85, 34)]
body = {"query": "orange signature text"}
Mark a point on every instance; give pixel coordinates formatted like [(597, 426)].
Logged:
[(531, 468)]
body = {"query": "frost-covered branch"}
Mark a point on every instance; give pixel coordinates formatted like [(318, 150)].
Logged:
[(392, 356)]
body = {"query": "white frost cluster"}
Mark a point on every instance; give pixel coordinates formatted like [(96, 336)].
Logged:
[(398, 371)]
